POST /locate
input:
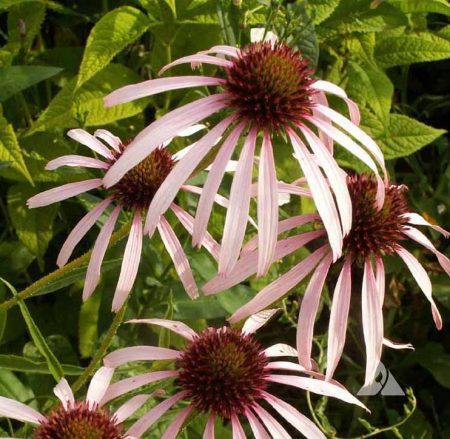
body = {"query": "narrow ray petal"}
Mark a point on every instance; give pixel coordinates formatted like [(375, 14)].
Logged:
[(179, 328), (320, 98), (394, 345), (113, 141), (257, 428), (256, 321), (139, 353), (237, 430), (86, 139), (76, 161), (21, 412), (281, 350), (175, 426), (272, 425), (64, 393), (418, 220), (209, 429), (130, 407), (98, 385), (198, 58)]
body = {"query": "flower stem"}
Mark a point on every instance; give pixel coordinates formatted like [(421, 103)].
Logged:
[(55, 275)]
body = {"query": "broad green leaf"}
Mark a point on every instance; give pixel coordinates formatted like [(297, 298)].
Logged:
[(88, 325), (17, 363), (409, 49), (34, 227), (361, 47), (433, 358), (17, 78), (444, 32), (435, 6), (10, 150), (52, 362), (320, 10), (110, 35), (11, 387), (84, 106)]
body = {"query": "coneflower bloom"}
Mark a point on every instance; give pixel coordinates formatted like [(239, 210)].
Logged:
[(133, 194), (72, 419), (374, 234), (224, 373), (267, 90)]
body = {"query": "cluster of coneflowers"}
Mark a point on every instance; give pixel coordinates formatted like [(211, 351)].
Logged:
[(266, 96)]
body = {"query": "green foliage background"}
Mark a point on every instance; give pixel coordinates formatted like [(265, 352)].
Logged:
[(59, 59)]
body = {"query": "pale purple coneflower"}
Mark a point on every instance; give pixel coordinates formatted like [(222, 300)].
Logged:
[(225, 373), (77, 419), (133, 194), (374, 234), (267, 90)]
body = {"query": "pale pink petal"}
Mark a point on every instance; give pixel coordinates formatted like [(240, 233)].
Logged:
[(180, 173), (212, 184), (198, 58), (257, 428), (86, 139), (319, 387), (179, 328), (320, 98), (178, 256), (418, 220), (209, 429), (321, 194), (372, 320), (98, 253), (394, 345), (188, 223), (292, 189), (308, 312), (128, 384), (64, 393), (76, 161), (80, 230), (339, 317), (419, 237), (159, 131), (175, 426), (112, 140), (98, 385), (146, 421), (273, 426), (336, 177), (139, 353), (294, 417), (238, 210), (380, 278), (421, 277), (155, 86), (281, 350), (130, 263), (256, 321), (238, 431), (267, 207), (21, 412), (272, 292), (224, 50), (258, 34), (63, 192), (128, 408)]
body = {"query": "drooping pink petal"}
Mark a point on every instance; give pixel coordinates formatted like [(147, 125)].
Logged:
[(155, 86), (272, 425), (63, 192), (146, 421), (188, 223), (422, 279), (294, 417), (257, 428), (159, 131), (320, 98), (175, 426), (256, 321), (113, 141), (338, 318), (139, 353), (21, 412), (336, 177), (179, 258), (380, 278), (281, 350), (179, 328), (98, 253), (292, 189), (209, 429), (128, 408), (394, 345), (98, 385), (130, 263), (76, 161), (212, 184), (281, 286), (308, 312), (180, 173), (80, 230), (128, 384), (200, 59), (372, 320), (224, 50), (321, 194), (86, 139), (293, 367), (419, 237), (64, 393), (237, 430), (237, 213), (418, 220), (319, 387), (267, 207)]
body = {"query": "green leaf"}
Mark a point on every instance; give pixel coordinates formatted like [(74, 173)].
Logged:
[(17, 363), (34, 227), (320, 10), (88, 325), (10, 150), (110, 35), (11, 387), (435, 6), (433, 358), (421, 47), (17, 78), (84, 106), (52, 362)]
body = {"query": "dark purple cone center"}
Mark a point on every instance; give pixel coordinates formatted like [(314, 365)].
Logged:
[(269, 85), (223, 371), (374, 232)]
